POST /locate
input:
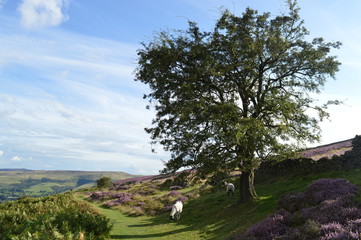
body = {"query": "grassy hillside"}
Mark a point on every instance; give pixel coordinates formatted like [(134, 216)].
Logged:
[(211, 215), (16, 183)]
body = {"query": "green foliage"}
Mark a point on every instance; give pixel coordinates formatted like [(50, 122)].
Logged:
[(238, 93), (166, 184), (182, 179), (217, 178), (54, 217), (104, 182)]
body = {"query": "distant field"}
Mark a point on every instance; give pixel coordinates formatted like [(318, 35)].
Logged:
[(16, 183)]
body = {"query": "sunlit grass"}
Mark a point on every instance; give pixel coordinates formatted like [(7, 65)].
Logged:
[(213, 215)]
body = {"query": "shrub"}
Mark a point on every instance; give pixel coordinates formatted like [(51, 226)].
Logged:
[(182, 179), (104, 182), (153, 206), (136, 211), (218, 178), (58, 216), (167, 183)]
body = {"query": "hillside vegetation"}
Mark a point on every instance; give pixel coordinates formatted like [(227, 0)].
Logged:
[(211, 215), (54, 217), (289, 207)]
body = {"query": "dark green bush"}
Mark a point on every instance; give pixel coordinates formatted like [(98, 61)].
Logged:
[(104, 182)]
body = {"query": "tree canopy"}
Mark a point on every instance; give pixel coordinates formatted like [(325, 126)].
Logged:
[(238, 94)]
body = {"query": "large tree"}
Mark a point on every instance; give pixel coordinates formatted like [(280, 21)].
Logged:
[(237, 95)]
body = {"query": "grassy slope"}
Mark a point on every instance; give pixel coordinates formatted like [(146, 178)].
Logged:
[(213, 216)]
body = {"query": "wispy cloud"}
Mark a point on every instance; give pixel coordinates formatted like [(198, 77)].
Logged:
[(70, 102), (42, 13), (16, 159)]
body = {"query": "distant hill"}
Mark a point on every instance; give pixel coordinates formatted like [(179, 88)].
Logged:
[(14, 169), (15, 183)]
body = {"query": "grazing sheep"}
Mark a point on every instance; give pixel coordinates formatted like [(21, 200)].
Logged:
[(176, 210), (230, 188)]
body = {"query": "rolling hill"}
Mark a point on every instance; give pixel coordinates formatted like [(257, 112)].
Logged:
[(15, 183)]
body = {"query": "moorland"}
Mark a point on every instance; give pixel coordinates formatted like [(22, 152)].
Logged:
[(324, 196)]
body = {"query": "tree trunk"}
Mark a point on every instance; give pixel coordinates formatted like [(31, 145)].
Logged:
[(247, 191)]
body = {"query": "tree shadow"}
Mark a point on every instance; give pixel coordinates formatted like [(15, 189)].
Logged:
[(152, 235), (208, 215)]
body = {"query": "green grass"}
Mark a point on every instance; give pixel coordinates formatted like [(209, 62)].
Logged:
[(214, 216)]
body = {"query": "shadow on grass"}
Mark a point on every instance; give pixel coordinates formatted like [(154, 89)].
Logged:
[(211, 217), (153, 236)]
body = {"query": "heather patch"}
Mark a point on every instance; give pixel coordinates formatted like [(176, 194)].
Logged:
[(270, 228), (119, 201), (99, 195), (140, 199), (325, 210)]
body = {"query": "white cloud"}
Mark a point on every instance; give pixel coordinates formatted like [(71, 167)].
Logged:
[(1, 153), (42, 13), (16, 159)]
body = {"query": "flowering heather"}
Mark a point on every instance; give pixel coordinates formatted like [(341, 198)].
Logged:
[(119, 201), (137, 180), (147, 192), (140, 204), (354, 225), (122, 187), (119, 195), (331, 211), (270, 228), (173, 193), (334, 230), (183, 198), (98, 195), (325, 211), (324, 189)]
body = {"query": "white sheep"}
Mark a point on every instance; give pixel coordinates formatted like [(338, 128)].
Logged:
[(176, 210), (230, 188)]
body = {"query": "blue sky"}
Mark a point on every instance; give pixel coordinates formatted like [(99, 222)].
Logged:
[(68, 100)]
